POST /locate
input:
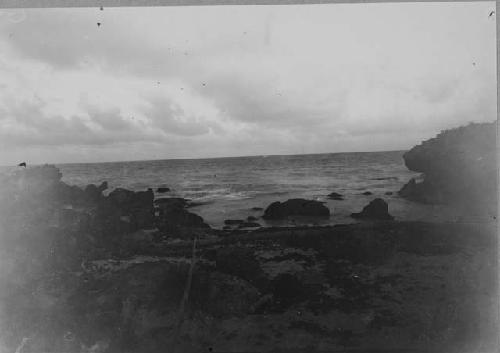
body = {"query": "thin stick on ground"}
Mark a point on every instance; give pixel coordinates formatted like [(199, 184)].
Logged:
[(185, 296)]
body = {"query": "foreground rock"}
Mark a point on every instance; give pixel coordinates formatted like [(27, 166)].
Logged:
[(315, 289), (296, 207), (458, 166), (376, 209)]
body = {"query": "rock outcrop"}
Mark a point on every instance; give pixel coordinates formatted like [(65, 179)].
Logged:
[(40, 198), (457, 166), (296, 207), (376, 209), (174, 219), (137, 206)]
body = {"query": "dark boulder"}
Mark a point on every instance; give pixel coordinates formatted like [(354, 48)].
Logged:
[(367, 193), (143, 199), (92, 193), (296, 207), (251, 219), (335, 196), (249, 225), (177, 220), (171, 202), (257, 208), (389, 193), (274, 211), (174, 219), (376, 209), (230, 222), (161, 190), (121, 197)]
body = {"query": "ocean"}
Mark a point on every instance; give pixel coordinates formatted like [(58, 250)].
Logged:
[(229, 188)]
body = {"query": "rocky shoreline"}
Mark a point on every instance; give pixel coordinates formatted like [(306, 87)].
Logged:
[(85, 271)]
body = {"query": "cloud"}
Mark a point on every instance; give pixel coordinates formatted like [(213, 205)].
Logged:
[(248, 101), (25, 123), (229, 80), (109, 119), (70, 38), (172, 119)]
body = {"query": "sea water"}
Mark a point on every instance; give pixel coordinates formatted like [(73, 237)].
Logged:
[(229, 188)]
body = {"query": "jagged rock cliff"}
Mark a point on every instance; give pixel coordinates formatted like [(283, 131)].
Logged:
[(458, 165), (85, 222)]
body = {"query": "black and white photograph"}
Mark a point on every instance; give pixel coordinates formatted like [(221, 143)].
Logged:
[(271, 177)]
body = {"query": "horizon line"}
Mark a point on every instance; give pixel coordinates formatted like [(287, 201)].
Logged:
[(207, 158)]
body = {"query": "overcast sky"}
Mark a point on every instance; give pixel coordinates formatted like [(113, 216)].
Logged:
[(189, 82)]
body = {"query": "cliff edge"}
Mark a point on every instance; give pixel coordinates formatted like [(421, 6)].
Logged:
[(458, 166)]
